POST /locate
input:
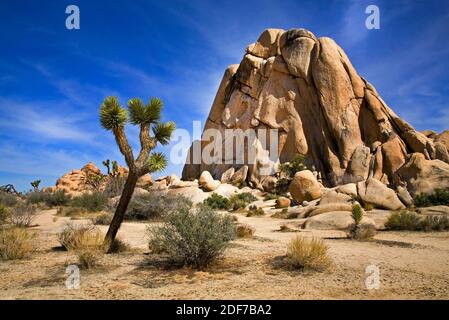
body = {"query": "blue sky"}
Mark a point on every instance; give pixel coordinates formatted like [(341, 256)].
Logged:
[(53, 80)]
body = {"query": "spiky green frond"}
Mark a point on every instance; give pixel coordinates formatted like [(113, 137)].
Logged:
[(156, 162), (112, 115), (145, 114), (163, 131), (153, 110), (136, 111)]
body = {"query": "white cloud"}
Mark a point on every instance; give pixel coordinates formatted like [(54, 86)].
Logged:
[(53, 124)]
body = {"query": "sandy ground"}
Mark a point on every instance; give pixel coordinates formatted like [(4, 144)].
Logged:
[(412, 265)]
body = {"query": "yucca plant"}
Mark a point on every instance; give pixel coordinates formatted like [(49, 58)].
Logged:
[(114, 168), (35, 184), (107, 164), (114, 117)]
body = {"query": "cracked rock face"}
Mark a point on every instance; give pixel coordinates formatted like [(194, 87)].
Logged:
[(307, 89)]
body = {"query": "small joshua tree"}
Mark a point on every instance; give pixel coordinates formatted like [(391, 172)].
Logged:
[(107, 164), (113, 117), (359, 231), (35, 184), (115, 172)]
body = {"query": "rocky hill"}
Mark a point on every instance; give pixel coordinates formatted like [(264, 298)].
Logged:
[(307, 88)]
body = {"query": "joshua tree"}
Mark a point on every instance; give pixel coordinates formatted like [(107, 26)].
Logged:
[(35, 184), (114, 168), (107, 164), (113, 117)]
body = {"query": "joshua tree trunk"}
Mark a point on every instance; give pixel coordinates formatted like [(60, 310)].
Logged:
[(120, 211), (113, 117)]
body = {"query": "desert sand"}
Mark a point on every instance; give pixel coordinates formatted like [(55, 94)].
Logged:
[(413, 265)]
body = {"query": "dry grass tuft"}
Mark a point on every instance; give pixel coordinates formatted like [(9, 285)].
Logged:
[(244, 231), (306, 253), (15, 243), (85, 241)]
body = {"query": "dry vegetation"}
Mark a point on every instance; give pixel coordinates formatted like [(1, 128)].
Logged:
[(413, 264), (306, 253)]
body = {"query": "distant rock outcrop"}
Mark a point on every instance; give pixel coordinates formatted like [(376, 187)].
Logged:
[(307, 88), (90, 178)]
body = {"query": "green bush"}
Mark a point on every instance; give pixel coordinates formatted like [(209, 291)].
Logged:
[(51, 199), (270, 196), (404, 220), (438, 197), (241, 200), (149, 206), (411, 221), (37, 197), (255, 212), (435, 223), (287, 172), (289, 169), (7, 199), (93, 202), (215, 201), (192, 238)]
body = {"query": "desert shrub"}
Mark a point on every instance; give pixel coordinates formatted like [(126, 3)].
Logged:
[(85, 241), (150, 206), (216, 201), (119, 246), (94, 181), (364, 232), (37, 197), (15, 243), (434, 223), (7, 199), (368, 206), (103, 219), (57, 198), (438, 197), (192, 237), (240, 184), (270, 196), (241, 200), (71, 211), (404, 220), (255, 212), (93, 202), (4, 214), (22, 215), (75, 236), (114, 185), (306, 253), (244, 231), (88, 257), (287, 172)]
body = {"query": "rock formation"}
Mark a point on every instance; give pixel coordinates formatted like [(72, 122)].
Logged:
[(76, 182), (307, 89)]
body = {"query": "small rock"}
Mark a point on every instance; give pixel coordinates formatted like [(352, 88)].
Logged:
[(282, 202)]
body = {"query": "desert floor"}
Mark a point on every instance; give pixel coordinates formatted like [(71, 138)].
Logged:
[(413, 265)]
